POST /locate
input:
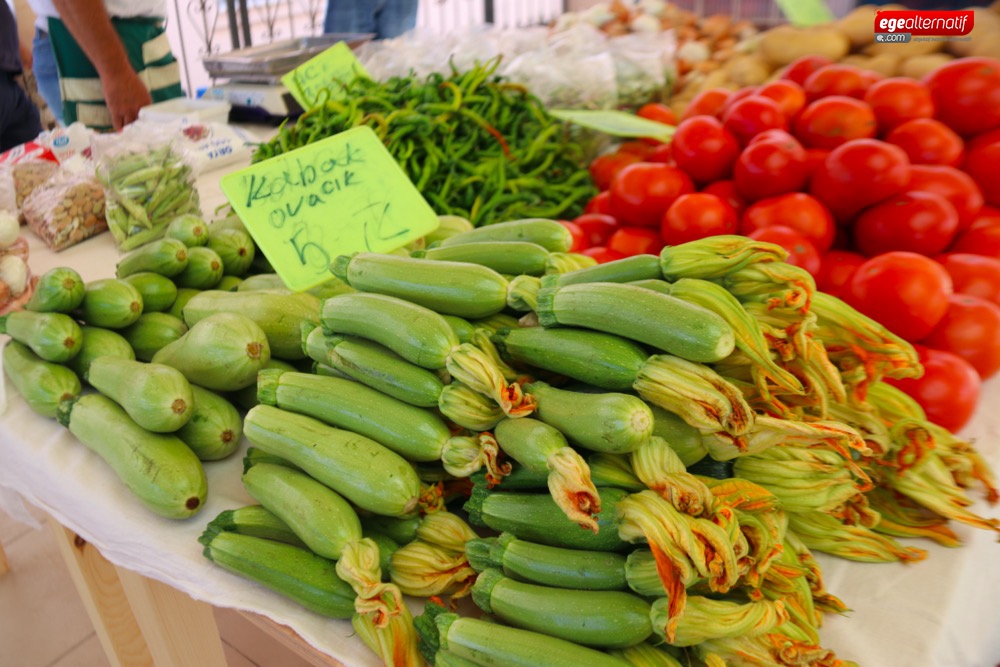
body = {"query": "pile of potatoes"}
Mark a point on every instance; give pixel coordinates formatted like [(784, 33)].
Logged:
[(850, 40)]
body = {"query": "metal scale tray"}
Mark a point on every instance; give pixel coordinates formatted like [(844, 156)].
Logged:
[(267, 63)]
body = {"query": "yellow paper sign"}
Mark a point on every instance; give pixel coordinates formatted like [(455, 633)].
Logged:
[(341, 195), (329, 70), (805, 12), (615, 123)]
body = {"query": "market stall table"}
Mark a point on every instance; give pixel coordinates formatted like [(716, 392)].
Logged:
[(938, 613)]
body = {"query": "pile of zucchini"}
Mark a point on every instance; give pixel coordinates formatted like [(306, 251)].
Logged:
[(655, 448)]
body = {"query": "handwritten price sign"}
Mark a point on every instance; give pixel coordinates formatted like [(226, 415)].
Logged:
[(337, 196), (329, 70)]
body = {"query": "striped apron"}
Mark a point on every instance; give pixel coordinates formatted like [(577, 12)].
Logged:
[(148, 50)]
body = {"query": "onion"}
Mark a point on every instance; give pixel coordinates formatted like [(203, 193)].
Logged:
[(14, 272)]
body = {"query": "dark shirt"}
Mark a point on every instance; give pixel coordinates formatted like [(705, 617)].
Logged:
[(10, 54)]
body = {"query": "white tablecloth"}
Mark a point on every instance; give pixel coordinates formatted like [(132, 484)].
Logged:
[(942, 612)]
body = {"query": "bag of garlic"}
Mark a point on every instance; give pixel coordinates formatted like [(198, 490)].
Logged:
[(67, 209)]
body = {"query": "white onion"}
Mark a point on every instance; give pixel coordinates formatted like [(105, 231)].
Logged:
[(10, 229), (14, 272)]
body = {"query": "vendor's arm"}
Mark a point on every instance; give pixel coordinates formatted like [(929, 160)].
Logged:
[(90, 25)]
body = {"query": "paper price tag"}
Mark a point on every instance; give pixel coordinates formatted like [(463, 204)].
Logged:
[(338, 196), (331, 69), (616, 123), (806, 12)]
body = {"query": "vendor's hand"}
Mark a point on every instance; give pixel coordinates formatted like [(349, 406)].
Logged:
[(26, 58), (124, 94)]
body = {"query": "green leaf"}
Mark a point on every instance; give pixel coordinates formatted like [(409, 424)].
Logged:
[(616, 123)]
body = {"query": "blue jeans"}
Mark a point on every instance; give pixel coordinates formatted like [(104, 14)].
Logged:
[(385, 18), (46, 74)]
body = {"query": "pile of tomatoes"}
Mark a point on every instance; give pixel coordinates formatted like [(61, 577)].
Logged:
[(883, 188)]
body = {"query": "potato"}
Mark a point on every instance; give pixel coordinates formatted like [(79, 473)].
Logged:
[(859, 26), (784, 44), (985, 33), (918, 66), (885, 64), (748, 70)]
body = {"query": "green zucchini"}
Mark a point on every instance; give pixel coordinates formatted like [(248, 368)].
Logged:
[(110, 304), (255, 456), (59, 290), (601, 619), (255, 521), (189, 229), (215, 428), (230, 221), (246, 398), (229, 284), (547, 233), (463, 328), (401, 530), (52, 336), (491, 644), (296, 573), (550, 566), (684, 439), (99, 342), (319, 516), (158, 292), (414, 332), (262, 281), (659, 320), (279, 314), (506, 257), (168, 257), (414, 433), (235, 248), (159, 469), (152, 332), (157, 397), (184, 294), (637, 267), (448, 225), (448, 288), (203, 270), (599, 359), (42, 384), (616, 423), (371, 476), (223, 352), (536, 517)]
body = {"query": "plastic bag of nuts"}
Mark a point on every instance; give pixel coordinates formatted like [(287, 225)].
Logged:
[(66, 210), (29, 175)]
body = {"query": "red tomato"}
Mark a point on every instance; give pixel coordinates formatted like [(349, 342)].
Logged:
[(952, 184), (726, 191), (788, 94), (834, 120), (927, 141), (735, 97), (605, 167), (637, 148), (660, 113), (663, 153), (800, 69), (705, 149), (858, 174), (801, 252), (579, 242), (982, 238), (798, 211), (897, 100), (982, 163), (769, 168), (599, 203), (641, 193), (906, 292), (750, 116), (970, 329), (987, 214), (597, 228), (629, 241), (974, 275), (835, 79), (602, 254), (966, 94), (707, 103), (915, 221), (814, 158), (696, 216), (835, 271), (948, 391)]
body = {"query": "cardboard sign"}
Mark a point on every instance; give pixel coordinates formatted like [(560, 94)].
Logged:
[(805, 12), (616, 123), (329, 70), (338, 196)]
